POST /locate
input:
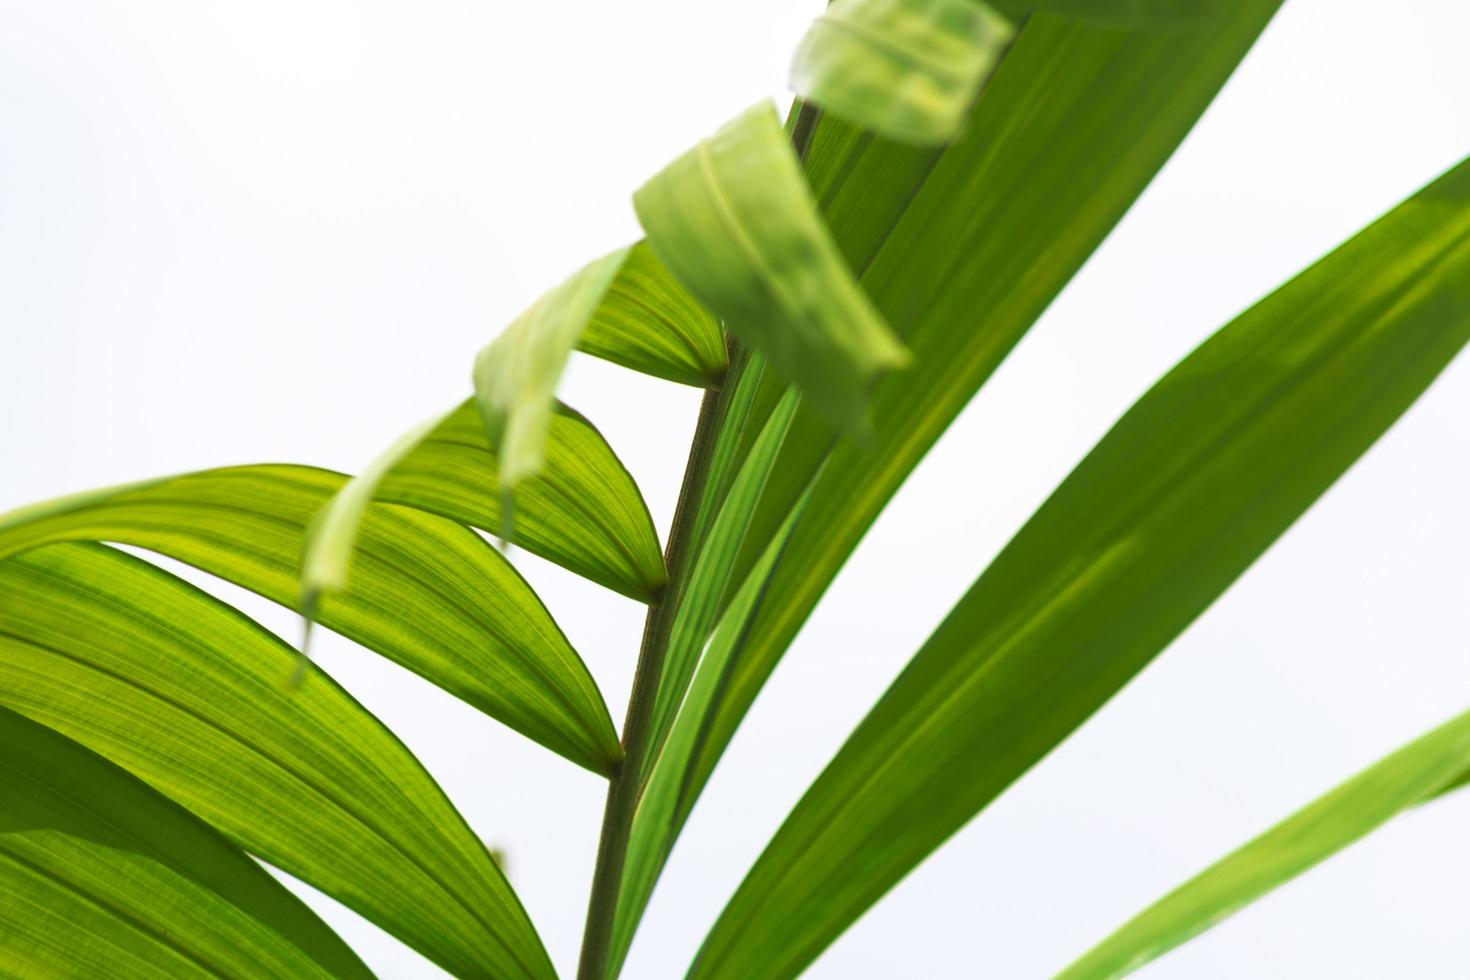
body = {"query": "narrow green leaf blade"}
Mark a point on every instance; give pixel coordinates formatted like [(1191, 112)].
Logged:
[(187, 694), (1189, 488), (649, 323), (733, 219), (425, 592), (1415, 773), (102, 876), (699, 604), (669, 791), (908, 69)]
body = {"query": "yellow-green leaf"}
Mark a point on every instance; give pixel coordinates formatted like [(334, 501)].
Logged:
[(649, 323), (908, 69), (103, 876), (582, 511), (1189, 488), (187, 694), (425, 592), (734, 220), (1415, 773)]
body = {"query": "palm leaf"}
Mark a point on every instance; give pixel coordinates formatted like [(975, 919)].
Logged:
[(102, 876), (1181, 496), (425, 592), (908, 69), (187, 694), (1421, 770), (962, 249), (734, 221), (1082, 117)]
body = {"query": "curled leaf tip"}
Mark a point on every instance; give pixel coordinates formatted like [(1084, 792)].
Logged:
[(908, 69), (332, 534), (516, 374), (734, 219)]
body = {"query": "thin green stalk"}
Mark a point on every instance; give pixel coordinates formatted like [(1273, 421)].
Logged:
[(622, 792)]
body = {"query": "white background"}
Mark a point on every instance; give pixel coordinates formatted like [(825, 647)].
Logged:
[(278, 231)]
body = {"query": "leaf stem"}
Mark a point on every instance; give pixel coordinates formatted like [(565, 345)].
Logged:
[(622, 793)]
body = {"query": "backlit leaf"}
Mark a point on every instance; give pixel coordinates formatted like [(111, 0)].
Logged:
[(582, 511), (187, 694), (102, 876), (425, 592)]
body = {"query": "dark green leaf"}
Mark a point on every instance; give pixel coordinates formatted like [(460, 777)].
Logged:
[(962, 249), (1181, 496), (1072, 127)]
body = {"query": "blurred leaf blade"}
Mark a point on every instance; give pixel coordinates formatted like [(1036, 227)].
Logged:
[(1417, 772), (187, 694), (425, 592), (332, 533), (735, 222), (103, 876), (908, 69), (516, 374), (1185, 492)]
